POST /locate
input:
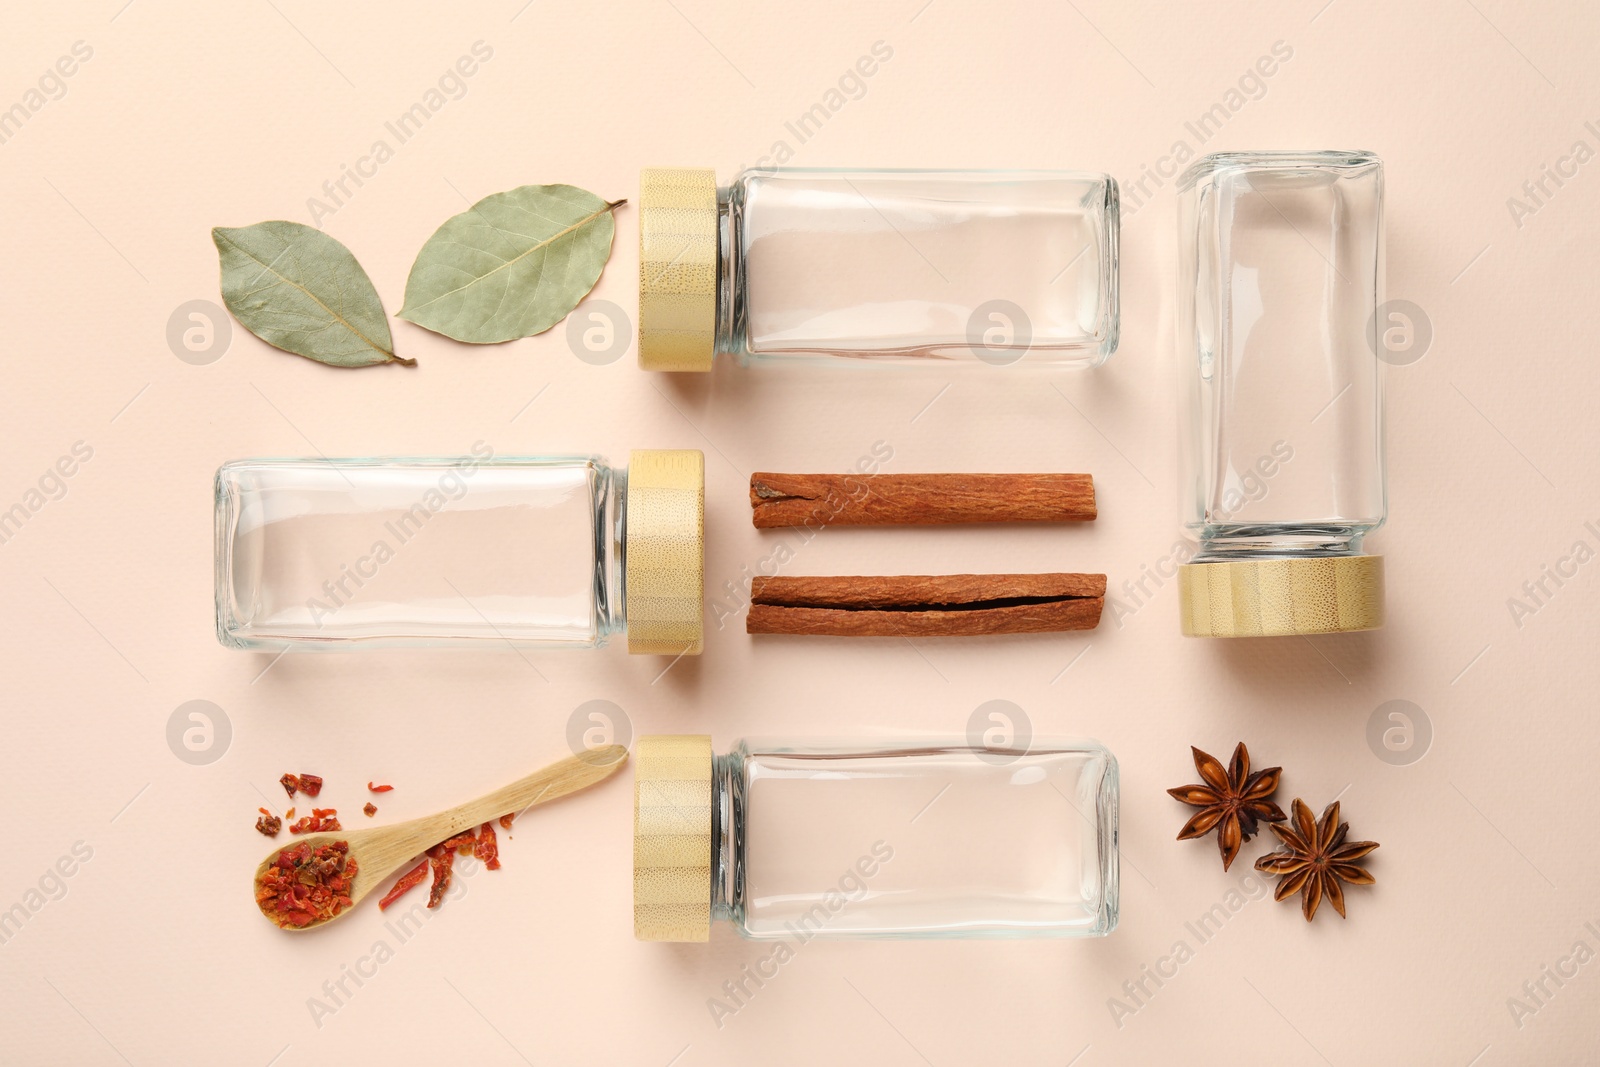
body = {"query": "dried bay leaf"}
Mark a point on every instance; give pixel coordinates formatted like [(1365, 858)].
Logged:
[(302, 291), (513, 265)]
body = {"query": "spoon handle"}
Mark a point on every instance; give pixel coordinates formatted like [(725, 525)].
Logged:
[(405, 840), (542, 786)]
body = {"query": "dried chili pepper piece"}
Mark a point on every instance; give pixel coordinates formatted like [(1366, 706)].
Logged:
[(269, 823), (320, 821), (379, 788), (487, 849), (309, 784), (505, 820), (463, 843), (370, 809), (443, 861), (408, 881)]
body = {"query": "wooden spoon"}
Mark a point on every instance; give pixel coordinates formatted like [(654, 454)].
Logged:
[(382, 850)]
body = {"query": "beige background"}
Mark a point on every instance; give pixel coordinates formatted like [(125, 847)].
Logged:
[(192, 115)]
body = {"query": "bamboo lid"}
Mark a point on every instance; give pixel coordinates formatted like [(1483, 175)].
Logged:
[(678, 248), (1278, 597), (672, 838), (664, 552)]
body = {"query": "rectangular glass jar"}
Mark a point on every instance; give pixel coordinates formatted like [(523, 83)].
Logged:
[(879, 265), (473, 551), (1281, 260), (839, 840)]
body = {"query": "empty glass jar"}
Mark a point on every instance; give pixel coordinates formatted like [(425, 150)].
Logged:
[(1281, 275), (799, 841), (474, 551), (907, 265)]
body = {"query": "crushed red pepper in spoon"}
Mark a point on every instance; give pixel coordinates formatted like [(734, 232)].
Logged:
[(307, 884)]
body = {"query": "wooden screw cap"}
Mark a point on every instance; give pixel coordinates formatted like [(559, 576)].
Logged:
[(679, 240), (672, 838), (664, 552), (1281, 597)]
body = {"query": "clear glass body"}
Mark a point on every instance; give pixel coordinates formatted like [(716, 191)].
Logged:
[(1281, 275), (478, 550), (842, 841), (917, 265)]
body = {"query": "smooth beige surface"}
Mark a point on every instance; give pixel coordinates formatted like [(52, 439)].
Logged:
[(194, 115)]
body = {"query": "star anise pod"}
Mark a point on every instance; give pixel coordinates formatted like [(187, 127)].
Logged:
[(1318, 860), (1231, 800)]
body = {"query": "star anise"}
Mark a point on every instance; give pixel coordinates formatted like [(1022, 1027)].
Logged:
[(1231, 800), (1318, 860)]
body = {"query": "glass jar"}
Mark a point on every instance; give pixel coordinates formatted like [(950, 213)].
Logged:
[(1281, 260), (479, 551), (873, 265), (797, 841)]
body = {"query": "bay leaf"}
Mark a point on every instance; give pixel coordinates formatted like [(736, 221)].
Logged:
[(302, 291), (513, 265)]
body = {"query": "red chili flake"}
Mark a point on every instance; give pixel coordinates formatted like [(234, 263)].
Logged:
[(320, 821), (463, 843), (269, 823), (306, 885), (408, 881), (379, 788), (309, 784), (371, 809), (443, 861), (488, 848), (289, 815), (505, 820)]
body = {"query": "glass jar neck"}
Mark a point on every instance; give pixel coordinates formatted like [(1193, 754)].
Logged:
[(727, 837), (1227, 543), (610, 556), (731, 304)]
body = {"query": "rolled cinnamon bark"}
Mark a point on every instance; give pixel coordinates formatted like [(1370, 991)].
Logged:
[(951, 605), (889, 499)]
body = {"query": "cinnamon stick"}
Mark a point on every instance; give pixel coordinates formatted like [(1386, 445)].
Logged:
[(949, 605), (885, 499)]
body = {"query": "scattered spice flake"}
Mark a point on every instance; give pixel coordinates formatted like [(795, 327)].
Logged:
[(306, 885), (443, 861), (370, 809), (378, 788), (320, 821), (408, 881), (309, 784), (269, 823), (505, 820), (289, 815), (463, 843), (487, 848)]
